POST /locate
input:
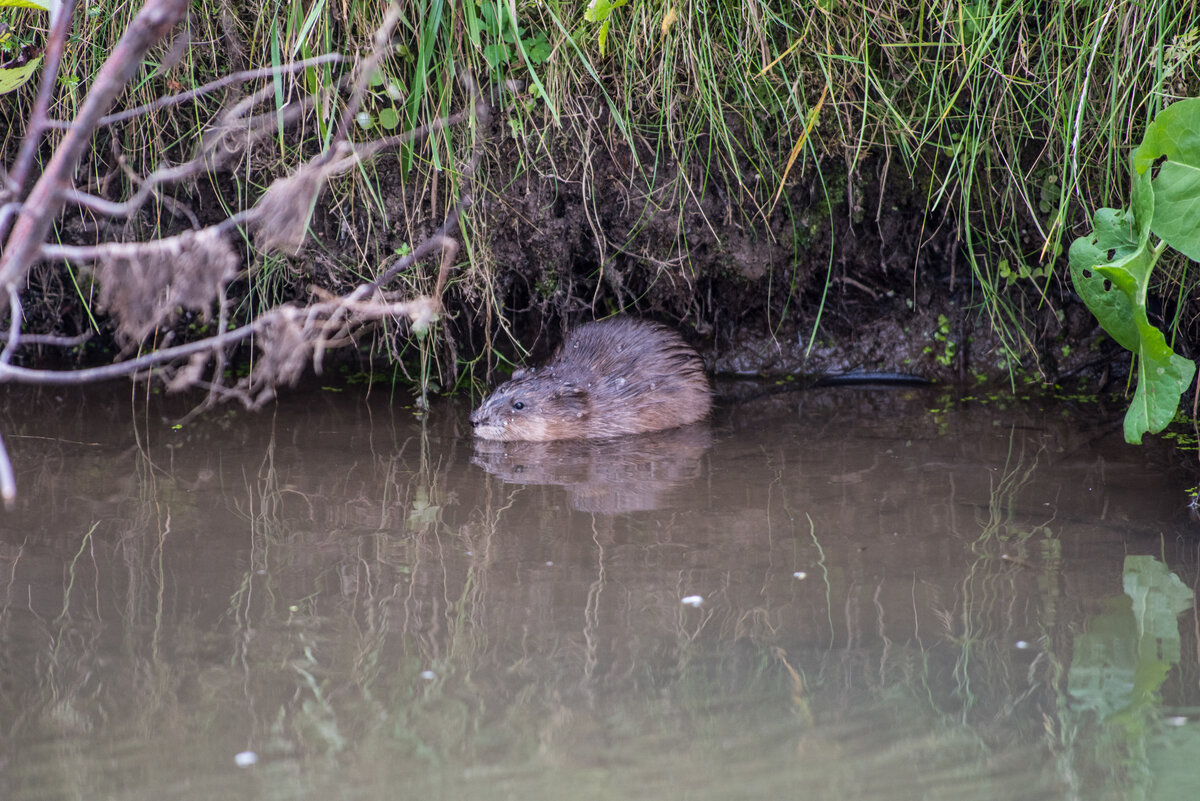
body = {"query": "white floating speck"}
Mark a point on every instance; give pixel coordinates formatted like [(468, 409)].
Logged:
[(692, 600), (245, 759), (549, 564), (1177, 720), (1022, 644), (428, 675), (800, 574)]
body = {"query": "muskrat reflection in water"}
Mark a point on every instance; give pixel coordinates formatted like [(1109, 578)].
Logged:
[(608, 378)]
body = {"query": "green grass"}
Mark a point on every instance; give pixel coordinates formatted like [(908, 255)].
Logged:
[(1016, 118)]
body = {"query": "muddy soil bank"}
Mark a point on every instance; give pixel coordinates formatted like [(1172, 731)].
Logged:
[(843, 272)]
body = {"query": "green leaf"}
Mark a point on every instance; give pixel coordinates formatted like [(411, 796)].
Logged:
[(43, 5), (538, 48), (1162, 378), (1110, 270), (17, 77), (1113, 241), (598, 11), (496, 54), (1174, 136), (388, 118)]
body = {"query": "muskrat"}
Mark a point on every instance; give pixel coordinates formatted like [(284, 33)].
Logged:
[(609, 378)]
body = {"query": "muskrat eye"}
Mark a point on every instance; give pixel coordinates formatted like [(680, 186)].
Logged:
[(518, 405)]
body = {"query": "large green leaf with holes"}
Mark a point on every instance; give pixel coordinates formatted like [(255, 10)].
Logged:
[(16, 77), (44, 5), (1110, 268)]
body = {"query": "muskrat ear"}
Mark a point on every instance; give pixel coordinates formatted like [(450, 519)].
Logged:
[(521, 372), (571, 398)]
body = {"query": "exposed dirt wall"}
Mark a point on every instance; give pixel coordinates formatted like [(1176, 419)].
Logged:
[(858, 258)]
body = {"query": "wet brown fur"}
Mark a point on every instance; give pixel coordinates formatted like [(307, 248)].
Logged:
[(607, 379)]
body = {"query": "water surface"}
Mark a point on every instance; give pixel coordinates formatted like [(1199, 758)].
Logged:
[(891, 594)]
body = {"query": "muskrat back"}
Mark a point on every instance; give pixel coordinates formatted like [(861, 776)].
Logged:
[(608, 378)]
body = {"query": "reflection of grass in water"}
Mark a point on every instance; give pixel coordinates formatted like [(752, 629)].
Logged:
[(83, 544), (354, 638), (982, 628), (318, 664)]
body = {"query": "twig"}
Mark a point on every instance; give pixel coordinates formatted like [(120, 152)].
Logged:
[(7, 212), (14, 328), (8, 484), (152, 23), (365, 150), (183, 97), (147, 361), (38, 121), (85, 254), (51, 339), (258, 126)]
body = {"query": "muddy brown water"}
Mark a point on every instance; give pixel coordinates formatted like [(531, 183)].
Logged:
[(845, 593)]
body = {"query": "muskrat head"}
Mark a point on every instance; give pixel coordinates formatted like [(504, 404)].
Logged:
[(533, 407)]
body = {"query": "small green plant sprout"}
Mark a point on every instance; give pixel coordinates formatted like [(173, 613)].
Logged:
[(944, 356), (495, 32), (501, 37), (19, 59), (383, 94), (601, 11), (1111, 266), (1022, 270)]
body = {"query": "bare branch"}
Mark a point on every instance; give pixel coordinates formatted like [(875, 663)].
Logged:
[(156, 19), (143, 285), (219, 83), (7, 212), (110, 208), (38, 120), (211, 156), (8, 484), (418, 309), (359, 152), (52, 340), (14, 328)]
